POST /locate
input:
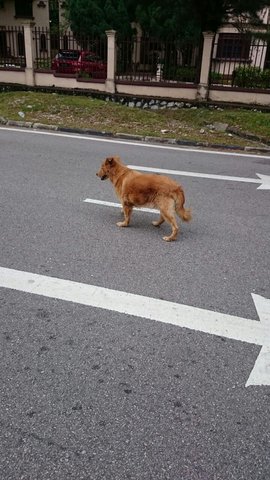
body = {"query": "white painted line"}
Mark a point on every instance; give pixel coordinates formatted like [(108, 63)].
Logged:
[(117, 205), (136, 144), (198, 319), (193, 174), (260, 374), (264, 180)]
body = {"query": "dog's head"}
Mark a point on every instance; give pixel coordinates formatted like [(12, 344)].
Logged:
[(107, 167)]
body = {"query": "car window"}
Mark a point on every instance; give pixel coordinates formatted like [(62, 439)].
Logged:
[(92, 58), (69, 55)]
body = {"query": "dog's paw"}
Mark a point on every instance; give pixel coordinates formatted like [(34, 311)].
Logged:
[(169, 239), (122, 224), (156, 223)]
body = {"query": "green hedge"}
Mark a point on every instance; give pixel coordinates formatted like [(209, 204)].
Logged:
[(251, 77), (216, 78), (180, 74)]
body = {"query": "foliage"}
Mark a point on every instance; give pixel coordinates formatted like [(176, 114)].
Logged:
[(266, 78), (210, 14), (251, 77), (54, 16), (94, 17), (180, 74), (173, 18), (216, 78), (156, 17), (80, 111)]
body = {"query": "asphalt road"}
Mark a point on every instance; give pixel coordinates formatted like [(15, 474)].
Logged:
[(92, 394)]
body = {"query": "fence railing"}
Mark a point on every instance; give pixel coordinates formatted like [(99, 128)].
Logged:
[(237, 60), (240, 60), (61, 52), (12, 47), (154, 60)]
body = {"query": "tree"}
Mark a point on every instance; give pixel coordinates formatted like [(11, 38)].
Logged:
[(210, 14), (195, 15), (94, 17), (179, 18), (171, 19)]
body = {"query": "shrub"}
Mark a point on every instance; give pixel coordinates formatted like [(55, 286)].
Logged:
[(180, 74), (251, 77), (216, 78), (266, 78)]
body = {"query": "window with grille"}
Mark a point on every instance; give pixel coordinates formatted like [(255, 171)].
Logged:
[(24, 8), (233, 46)]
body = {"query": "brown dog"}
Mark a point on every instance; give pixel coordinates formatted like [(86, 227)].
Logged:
[(138, 189)]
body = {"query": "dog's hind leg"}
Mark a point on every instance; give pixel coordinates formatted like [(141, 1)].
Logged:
[(158, 222), (167, 212), (171, 220), (182, 212), (127, 210)]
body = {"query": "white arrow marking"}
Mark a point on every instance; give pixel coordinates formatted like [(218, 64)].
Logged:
[(264, 179), (206, 321), (260, 374), (265, 182)]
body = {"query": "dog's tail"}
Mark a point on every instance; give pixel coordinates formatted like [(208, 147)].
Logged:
[(184, 213)]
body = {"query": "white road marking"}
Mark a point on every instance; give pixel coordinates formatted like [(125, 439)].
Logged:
[(136, 144), (264, 180), (118, 205), (260, 374), (206, 321)]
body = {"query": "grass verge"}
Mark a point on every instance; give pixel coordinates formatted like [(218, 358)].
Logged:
[(192, 124)]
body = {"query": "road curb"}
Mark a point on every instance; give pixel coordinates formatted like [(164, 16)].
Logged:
[(139, 138)]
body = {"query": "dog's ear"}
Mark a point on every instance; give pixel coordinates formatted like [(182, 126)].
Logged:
[(110, 161)]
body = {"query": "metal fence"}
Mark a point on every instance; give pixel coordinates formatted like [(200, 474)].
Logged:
[(240, 60), (154, 60), (12, 47), (48, 45)]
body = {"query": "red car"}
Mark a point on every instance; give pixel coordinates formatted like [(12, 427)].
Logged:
[(92, 65), (66, 61), (76, 62)]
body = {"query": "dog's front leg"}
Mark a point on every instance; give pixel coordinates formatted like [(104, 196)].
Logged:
[(127, 209)]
